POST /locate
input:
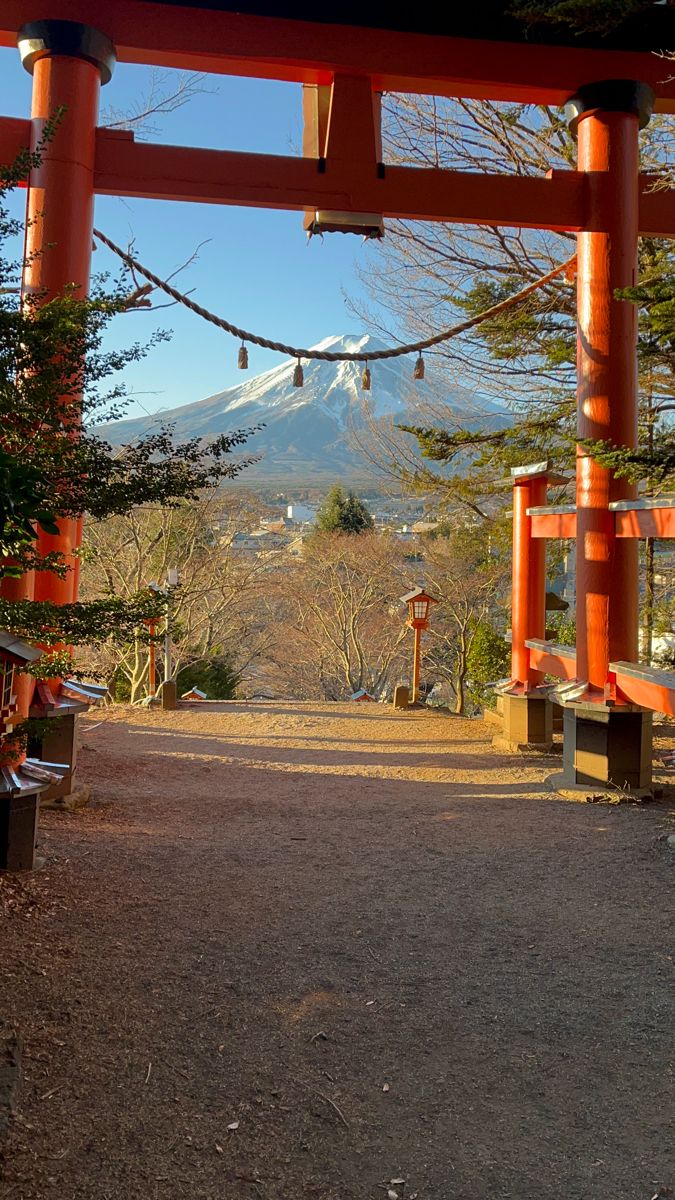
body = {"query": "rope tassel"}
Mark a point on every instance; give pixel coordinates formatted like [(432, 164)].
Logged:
[(242, 359), (365, 379), (418, 369), (298, 375)]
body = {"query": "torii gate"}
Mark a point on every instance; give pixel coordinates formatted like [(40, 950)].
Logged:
[(344, 67)]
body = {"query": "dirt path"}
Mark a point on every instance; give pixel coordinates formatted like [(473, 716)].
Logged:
[(295, 952)]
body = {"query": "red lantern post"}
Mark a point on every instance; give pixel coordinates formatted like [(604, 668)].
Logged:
[(419, 603)]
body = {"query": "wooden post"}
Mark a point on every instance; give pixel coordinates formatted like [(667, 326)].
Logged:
[(151, 659), (416, 663), (528, 588)]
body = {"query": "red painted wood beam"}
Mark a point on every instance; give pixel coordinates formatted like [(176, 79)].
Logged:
[(149, 171), (272, 181), (553, 524), (639, 522), (657, 213), (656, 204), (645, 522), (552, 659), (647, 686), (307, 52), (145, 170)]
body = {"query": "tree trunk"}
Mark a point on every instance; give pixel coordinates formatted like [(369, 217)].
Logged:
[(139, 672), (460, 677)]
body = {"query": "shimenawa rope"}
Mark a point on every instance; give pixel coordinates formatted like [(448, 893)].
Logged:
[(327, 355)]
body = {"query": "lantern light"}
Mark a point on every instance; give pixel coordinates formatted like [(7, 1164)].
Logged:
[(419, 602), (418, 369), (242, 360), (365, 378), (298, 375)]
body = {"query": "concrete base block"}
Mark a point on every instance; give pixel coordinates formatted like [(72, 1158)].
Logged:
[(599, 793), (492, 717), (528, 723), (18, 832), (607, 746), (401, 696), (169, 694)]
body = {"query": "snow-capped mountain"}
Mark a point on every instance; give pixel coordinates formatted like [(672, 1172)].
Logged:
[(312, 433)]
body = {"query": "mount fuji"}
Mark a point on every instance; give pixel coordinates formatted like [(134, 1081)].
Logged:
[(312, 434)]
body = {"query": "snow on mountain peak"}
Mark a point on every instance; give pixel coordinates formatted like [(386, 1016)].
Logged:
[(308, 431), (349, 343)]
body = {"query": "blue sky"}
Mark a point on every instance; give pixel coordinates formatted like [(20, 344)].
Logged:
[(257, 268)]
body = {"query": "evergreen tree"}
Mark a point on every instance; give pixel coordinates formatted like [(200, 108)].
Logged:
[(525, 358), (592, 16), (216, 676), (487, 661), (343, 512)]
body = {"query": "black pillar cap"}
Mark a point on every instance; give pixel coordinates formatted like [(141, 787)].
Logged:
[(611, 95), (41, 38)]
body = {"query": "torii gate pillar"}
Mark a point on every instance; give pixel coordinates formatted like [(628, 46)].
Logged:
[(68, 62), (603, 742)]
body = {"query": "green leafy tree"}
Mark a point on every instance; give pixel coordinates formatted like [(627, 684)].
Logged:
[(479, 459), (216, 676), (488, 661), (57, 382), (562, 628), (343, 512)]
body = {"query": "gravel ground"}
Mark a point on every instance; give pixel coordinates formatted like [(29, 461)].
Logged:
[(299, 951)]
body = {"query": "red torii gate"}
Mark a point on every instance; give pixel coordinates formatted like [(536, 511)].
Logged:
[(344, 67)]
